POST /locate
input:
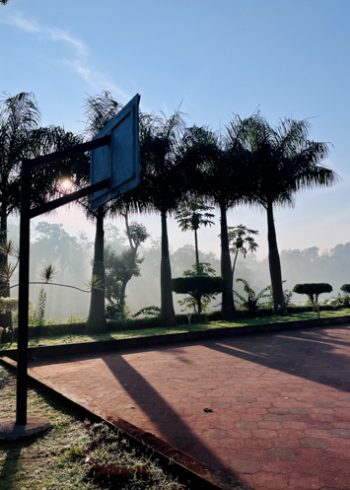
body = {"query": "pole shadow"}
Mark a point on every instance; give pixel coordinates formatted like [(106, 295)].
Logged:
[(9, 466)]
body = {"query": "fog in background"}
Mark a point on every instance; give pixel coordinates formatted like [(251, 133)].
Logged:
[(71, 256)]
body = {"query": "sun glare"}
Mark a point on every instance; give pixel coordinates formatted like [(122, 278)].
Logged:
[(66, 185)]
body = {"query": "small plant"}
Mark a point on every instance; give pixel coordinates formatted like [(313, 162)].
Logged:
[(7, 305), (313, 291), (346, 290), (117, 311), (147, 312), (342, 299), (251, 300), (40, 313), (287, 294)]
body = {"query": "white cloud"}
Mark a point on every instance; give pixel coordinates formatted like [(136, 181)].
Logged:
[(79, 62), (20, 22), (97, 80), (29, 25), (59, 35)]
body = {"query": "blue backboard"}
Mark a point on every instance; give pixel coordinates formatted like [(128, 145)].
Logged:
[(120, 160)]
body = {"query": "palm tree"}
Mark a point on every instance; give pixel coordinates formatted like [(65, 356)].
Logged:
[(216, 170), (242, 241), (99, 110), (192, 214), (283, 161), (21, 137), (161, 188)]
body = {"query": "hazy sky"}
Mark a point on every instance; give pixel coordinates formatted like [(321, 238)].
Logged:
[(217, 58)]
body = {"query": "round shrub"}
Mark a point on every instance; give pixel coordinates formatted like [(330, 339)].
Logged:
[(201, 290), (313, 290), (345, 288)]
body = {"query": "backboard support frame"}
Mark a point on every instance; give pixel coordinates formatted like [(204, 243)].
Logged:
[(22, 424)]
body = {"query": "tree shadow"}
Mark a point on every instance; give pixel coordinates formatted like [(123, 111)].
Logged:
[(312, 356), (322, 337), (170, 424)]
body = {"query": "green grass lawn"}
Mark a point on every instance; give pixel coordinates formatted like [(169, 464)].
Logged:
[(73, 453), (197, 327)]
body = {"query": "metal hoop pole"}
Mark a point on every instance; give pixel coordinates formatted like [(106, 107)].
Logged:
[(23, 298)]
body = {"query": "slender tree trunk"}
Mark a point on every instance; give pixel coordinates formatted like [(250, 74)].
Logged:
[(97, 317), (122, 298), (233, 274), (274, 263), (199, 304), (167, 313), (196, 250), (5, 318), (227, 305)]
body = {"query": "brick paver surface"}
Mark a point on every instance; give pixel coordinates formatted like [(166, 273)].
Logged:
[(278, 406)]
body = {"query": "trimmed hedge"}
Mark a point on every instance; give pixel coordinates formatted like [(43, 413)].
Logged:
[(311, 288), (345, 288), (197, 284)]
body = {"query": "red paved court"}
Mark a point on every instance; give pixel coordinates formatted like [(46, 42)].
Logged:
[(280, 403)]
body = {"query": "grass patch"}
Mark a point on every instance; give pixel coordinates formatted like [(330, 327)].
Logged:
[(73, 453), (125, 333), (195, 327)]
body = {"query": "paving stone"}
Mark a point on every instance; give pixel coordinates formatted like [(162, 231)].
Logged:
[(246, 425), (283, 453), (315, 442), (299, 410), (215, 434), (274, 417), (245, 466), (345, 433)]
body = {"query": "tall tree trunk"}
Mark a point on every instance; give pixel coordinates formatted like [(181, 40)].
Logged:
[(5, 318), (227, 305), (97, 318), (196, 250), (274, 263), (167, 313)]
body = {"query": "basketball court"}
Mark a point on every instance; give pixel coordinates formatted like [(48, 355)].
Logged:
[(272, 410)]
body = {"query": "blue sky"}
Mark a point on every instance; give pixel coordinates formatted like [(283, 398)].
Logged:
[(283, 57)]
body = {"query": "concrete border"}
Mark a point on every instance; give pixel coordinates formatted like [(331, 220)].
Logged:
[(174, 461), (172, 338)]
